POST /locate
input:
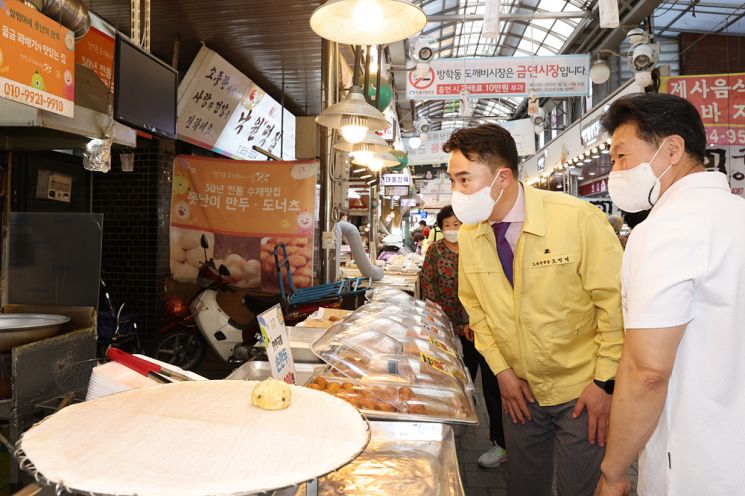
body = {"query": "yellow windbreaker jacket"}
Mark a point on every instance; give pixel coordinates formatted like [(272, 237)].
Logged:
[(561, 325)]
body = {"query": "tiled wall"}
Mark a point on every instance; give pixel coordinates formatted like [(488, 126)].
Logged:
[(135, 241)]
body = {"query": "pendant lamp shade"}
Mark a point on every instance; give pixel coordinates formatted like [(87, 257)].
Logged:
[(367, 22), (353, 116)]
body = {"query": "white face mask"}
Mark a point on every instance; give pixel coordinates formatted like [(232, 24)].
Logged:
[(450, 236), (476, 207), (637, 189)]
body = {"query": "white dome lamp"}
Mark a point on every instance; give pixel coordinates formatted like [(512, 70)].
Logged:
[(600, 72), (367, 22), (414, 142), (353, 116)]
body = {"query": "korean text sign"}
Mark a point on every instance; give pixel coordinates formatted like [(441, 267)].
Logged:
[(556, 75), (37, 59), (274, 332), (244, 209), (719, 98), (222, 110), (95, 51)]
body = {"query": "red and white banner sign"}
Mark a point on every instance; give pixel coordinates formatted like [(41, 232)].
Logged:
[(719, 98), (489, 77)]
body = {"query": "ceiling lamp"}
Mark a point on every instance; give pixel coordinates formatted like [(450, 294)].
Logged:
[(599, 72), (415, 143), (378, 160), (370, 141), (367, 22), (353, 116)]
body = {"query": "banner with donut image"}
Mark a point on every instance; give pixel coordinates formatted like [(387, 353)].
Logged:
[(244, 208)]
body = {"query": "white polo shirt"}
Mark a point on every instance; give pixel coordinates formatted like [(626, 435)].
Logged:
[(686, 265)]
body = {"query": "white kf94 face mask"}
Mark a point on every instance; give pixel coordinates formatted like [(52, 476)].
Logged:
[(637, 189), (450, 236), (476, 207)]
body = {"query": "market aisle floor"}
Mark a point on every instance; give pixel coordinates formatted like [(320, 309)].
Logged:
[(472, 443)]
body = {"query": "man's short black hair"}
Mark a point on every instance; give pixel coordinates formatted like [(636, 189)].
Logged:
[(489, 143), (422, 222), (657, 116), (443, 214)]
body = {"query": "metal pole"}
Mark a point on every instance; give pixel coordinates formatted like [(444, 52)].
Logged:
[(372, 230), (329, 72)]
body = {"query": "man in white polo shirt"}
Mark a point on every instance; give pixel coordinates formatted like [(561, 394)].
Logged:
[(680, 387)]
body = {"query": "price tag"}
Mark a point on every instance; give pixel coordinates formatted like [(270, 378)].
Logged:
[(274, 332), (435, 363), (441, 346)]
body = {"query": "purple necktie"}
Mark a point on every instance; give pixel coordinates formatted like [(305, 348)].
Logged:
[(504, 250)]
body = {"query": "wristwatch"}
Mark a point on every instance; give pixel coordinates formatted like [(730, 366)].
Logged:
[(606, 386)]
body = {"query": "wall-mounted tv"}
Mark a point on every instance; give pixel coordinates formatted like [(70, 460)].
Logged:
[(145, 90)]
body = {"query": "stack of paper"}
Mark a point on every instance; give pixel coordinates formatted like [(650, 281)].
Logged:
[(113, 377)]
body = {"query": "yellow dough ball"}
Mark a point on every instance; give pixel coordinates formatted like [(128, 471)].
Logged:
[(271, 394)]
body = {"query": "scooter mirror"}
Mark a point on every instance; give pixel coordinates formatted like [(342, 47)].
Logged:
[(203, 241), (224, 271)]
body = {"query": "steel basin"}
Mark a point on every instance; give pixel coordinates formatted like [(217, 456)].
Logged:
[(21, 328)]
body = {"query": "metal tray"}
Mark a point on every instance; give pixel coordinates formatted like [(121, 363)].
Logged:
[(412, 459), (300, 340), (21, 328), (258, 371)]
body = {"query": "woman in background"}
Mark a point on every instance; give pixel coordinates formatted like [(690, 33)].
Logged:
[(440, 284)]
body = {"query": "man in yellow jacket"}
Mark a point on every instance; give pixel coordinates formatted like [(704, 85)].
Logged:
[(539, 276)]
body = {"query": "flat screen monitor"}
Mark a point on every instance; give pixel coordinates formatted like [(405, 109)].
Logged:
[(144, 90)]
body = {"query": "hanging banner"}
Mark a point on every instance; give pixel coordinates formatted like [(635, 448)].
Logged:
[(720, 99), (430, 151), (37, 59), (244, 209), (95, 51), (493, 77), (222, 110)]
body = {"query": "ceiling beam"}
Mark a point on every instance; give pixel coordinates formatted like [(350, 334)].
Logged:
[(506, 17)]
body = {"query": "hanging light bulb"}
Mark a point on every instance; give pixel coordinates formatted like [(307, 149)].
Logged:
[(415, 143), (354, 128), (375, 164), (363, 157)]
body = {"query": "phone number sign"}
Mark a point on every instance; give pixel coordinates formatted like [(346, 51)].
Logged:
[(37, 60)]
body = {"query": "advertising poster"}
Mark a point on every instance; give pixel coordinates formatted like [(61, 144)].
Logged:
[(95, 51), (37, 59), (493, 77), (244, 208), (720, 99), (222, 110)]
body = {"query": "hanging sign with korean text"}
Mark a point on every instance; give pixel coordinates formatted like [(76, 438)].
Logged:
[(720, 99), (274, 333), (220, 109), (493, 77), (95, 51), (37, 59), (245, 209)]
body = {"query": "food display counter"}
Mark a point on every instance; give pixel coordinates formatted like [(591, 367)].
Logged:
[(415, 459)]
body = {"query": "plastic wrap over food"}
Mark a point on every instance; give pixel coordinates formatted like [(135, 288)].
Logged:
[(383, 376), (399, 297), (407, 315)]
